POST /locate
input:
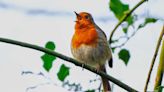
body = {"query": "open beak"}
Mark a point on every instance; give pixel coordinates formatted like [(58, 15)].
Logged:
[(76, 14)]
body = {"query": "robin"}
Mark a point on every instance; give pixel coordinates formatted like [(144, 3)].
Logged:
[(89, 45)]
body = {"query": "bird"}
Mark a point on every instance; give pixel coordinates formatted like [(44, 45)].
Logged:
[(89, 45)]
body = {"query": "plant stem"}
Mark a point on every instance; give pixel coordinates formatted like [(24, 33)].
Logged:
[(160, 70), (124, 18), (154, 57)]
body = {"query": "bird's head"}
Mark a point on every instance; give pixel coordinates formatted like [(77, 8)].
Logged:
[(84, 19)]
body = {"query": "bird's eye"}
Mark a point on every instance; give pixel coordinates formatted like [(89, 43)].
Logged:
[(86, 17)]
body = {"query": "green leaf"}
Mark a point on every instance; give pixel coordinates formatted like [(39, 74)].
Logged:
[(125, 29), (130, 20), (63, 72), (113, 49), (124, 55), (48, 59), (90, 90), (159, 89), (147, 21), (118, 8), (50, 45)]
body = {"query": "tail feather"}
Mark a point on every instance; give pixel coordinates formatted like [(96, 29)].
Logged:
[(110, 62), (106, 85)]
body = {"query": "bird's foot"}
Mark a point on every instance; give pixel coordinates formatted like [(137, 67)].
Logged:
[(82, 67), (97, 71)]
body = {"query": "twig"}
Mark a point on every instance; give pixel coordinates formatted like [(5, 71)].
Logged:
[(38, 85), (72, 86), (99, 88), (127, 39), (71, 60), (124, 18), (154, 57)]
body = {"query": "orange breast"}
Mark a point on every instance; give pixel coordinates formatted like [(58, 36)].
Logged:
[(87, 36)]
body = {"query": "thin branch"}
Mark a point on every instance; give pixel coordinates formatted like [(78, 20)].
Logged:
[(127, 39), (154, 57), (124, 18), (121, 45), (160, 70), (71, 60), (38, 85)]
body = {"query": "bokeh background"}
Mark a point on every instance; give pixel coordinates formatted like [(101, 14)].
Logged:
[(40, 21)]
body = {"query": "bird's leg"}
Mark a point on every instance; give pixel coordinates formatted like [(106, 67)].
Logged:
[(82, 66), (85, 63), (98, 69)]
